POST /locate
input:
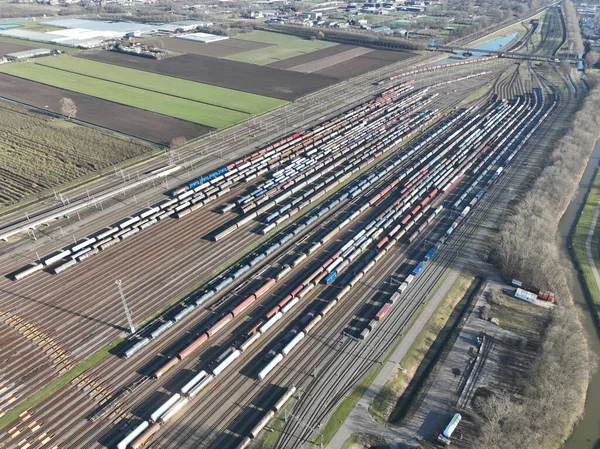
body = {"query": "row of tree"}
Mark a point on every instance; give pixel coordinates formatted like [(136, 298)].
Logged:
[(543, 414), (526, 244), (354, 37), (573, 31), (552, 399)]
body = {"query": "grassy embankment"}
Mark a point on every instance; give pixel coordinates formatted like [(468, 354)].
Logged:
[(343, 410)]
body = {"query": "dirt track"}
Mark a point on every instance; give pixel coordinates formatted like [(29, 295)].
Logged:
[(216, 50), (256, 79), (125, 119)]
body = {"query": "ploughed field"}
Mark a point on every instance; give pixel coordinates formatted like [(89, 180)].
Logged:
[(219, 49), (124, 119), (6, 47), (185, 100), (260, 80), (38, 152)]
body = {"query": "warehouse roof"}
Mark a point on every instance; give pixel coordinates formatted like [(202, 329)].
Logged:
[(28, 53)]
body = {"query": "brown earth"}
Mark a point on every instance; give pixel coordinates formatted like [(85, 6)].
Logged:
[(218, 49), (147, 125), (5, 48), (330, 61), (312, 56), (363, 64), (261, 80)]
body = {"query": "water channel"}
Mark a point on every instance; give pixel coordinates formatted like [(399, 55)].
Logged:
[(586, 434), (494, 45)]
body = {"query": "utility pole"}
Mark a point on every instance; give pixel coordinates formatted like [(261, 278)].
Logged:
[(127, 312)]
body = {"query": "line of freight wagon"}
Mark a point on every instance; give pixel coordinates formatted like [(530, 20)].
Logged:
[(503, 148), (320, 274), (233, 353), (279, 213), (210, 291), (214, 185), (432, 68), (145, 430), (230, 275)]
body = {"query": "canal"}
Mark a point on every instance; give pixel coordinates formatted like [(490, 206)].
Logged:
[(494, 45), (586, 434)]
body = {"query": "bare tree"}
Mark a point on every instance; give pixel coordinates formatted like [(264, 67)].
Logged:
[(573, 31), (68, 107), (591, 58), (177, 142)]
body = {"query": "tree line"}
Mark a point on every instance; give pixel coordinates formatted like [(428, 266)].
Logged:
[(542, 416), (526, 244), (573, 31), (552, 397), (355, 37)]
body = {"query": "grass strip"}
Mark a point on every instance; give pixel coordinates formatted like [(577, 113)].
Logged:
[(284, 46), (343, 410), (422, 349), (181, 108), (176, 87), (57, 384), (426, 370), (578, 243)]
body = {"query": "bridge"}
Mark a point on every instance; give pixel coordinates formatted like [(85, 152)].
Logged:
[(505, 54)]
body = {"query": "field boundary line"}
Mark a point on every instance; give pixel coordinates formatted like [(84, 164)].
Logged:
[(143, 88)]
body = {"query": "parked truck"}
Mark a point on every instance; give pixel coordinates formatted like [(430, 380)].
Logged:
[(444, 437)]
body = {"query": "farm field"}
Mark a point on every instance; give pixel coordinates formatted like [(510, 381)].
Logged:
[(6, 47), (312, 56), (218, 49), (176, 87), (124, 119), (365, 63), (283, 47), (181, 108), (260, 80), (38, 152), (32, 44)]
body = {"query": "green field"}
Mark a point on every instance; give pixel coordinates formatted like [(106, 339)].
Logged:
[(204, 93), (181, 108), (283, 46)]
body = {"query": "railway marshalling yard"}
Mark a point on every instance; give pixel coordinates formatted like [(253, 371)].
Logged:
[(290, 253)]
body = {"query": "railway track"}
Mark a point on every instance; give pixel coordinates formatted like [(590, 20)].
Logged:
[(117, 307), (203, 439), (199, 223)]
